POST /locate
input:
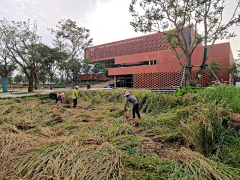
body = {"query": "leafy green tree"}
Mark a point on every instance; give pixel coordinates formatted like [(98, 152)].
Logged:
[(51, 60), (97, 68), (43, 76), (75, 69), (23, 46), (7, 64), (87, 66), (234, 71), (56, 80), (10, 78), (18, 78), (216, 68), (73, 40), (186, 17)]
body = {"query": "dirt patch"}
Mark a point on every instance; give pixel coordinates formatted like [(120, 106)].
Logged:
[(85, 120), (67, 106), (126, 114), (235, 121), (55, 120), (10, 128), (164, 147), (24, 127), (92, 141), (112, 109)]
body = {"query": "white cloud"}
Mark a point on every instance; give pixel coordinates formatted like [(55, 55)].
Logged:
[(110, 22)]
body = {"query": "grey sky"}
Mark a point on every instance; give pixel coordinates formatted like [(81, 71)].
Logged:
[(108, 20)]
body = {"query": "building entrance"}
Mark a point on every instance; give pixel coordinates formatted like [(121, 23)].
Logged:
[(125, 81)]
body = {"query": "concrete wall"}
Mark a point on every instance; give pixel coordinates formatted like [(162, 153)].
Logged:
[(89, 77)]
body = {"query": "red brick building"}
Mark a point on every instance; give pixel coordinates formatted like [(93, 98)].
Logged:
[(147, 61)]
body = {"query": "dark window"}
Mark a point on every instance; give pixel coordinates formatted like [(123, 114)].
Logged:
[(152, 62)]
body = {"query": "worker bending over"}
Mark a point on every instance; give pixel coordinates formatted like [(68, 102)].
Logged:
[(135, 103), (57, 96)]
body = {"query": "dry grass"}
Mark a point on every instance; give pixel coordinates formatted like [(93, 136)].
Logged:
[(70, 160), (199, 167), (41, 140)]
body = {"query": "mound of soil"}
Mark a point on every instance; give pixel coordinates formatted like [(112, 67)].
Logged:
[(235, 121), (55, 120)]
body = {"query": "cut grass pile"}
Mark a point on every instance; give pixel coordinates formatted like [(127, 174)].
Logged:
[(177, 138)]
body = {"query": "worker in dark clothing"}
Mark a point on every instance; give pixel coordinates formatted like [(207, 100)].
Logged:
[(57, 97), (88, 86), (135, 103)]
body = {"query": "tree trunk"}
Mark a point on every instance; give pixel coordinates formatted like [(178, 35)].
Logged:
[(200, 71), (67, 80), (30, 85), (62, 78), (188, 72), (188, 77), (73, 84), (30, 81), (35, 80), (51, 79)]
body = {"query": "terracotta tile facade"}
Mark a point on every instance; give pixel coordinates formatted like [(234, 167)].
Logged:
[(152, 47)]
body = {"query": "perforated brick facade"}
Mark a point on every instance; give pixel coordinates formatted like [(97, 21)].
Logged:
[(148, 43), (160, 80)]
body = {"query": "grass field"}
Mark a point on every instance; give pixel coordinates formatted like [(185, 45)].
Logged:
[(177, 138)]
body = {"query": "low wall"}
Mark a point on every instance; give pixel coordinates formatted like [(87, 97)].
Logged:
[(89, 77)]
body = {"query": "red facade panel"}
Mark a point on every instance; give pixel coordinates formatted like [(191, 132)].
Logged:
[(167, 66), (127, 47)]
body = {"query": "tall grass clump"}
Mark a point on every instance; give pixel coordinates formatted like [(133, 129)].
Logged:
[(204, 127), (229, 95), (149, 102)]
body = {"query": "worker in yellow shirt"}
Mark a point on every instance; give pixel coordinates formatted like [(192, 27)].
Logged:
[(75, 96)]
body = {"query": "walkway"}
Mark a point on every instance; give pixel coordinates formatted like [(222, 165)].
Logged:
[(9, 95)]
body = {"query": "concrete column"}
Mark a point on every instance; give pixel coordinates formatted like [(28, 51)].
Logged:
[(115, 81)]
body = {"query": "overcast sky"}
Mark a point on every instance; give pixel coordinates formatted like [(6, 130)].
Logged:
[(108, 20)]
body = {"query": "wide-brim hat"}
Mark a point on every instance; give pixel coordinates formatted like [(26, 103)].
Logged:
[(127, 93)]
